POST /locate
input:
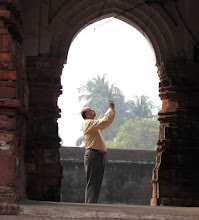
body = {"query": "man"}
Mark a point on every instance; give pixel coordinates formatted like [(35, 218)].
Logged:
[(95, 153)]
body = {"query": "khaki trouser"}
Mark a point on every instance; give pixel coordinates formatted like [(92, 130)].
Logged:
[(94, 163)]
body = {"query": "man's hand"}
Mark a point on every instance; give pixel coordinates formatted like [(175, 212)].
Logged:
[(111, 104)]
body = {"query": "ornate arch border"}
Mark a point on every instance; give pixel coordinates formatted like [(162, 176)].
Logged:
[(150, 19)]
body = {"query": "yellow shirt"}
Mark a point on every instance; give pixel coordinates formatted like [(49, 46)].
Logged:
[(93, 131)]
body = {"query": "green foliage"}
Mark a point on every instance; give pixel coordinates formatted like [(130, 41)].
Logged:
[(139, 134), (98, 91)]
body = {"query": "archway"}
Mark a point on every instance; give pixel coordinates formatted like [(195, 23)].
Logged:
[(116, 51), (113, 47), (149, 18), (152, 19), (47, 38)]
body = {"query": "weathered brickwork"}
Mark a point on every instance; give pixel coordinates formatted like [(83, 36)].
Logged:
[(175, 179), (13, 91), (42, 155), (9, 209)]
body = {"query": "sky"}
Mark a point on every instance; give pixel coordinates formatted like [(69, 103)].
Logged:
[(110, 47)]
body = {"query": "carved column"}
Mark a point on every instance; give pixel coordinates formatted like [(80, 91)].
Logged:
[(175, 176), (42, 148), (13, 108)]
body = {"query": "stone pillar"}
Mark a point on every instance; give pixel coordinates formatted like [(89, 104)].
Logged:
[(175, 177), (42, 158), (13, 108)]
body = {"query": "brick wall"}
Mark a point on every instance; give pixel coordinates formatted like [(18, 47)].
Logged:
[(13, 108)]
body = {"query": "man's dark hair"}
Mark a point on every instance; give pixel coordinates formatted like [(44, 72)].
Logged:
[(83, 113)]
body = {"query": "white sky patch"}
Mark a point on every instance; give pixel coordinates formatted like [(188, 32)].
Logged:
[(115, 49)]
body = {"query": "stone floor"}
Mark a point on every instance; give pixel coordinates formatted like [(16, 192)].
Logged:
[(35, 210)]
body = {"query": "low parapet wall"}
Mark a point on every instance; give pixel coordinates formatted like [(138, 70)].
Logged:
[(127, 177)]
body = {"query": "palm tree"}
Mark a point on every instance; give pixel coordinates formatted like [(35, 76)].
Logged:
[(140, 107), (97, 93)]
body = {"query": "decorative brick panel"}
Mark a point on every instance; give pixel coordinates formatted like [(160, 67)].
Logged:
[(8, 168), (7, 123), (44, 171), (6, 43), (3, 31), (8, 75), (7, 92), (9, 209), (1, 23), (6, 194), (5, 13), (1, 41), (7, 102), (5, 57), (176, 170), (8, 111)]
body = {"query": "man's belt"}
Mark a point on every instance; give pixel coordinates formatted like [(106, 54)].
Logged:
[(98, 151)]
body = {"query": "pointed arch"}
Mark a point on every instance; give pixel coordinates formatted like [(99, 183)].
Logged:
[(150, 19)]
